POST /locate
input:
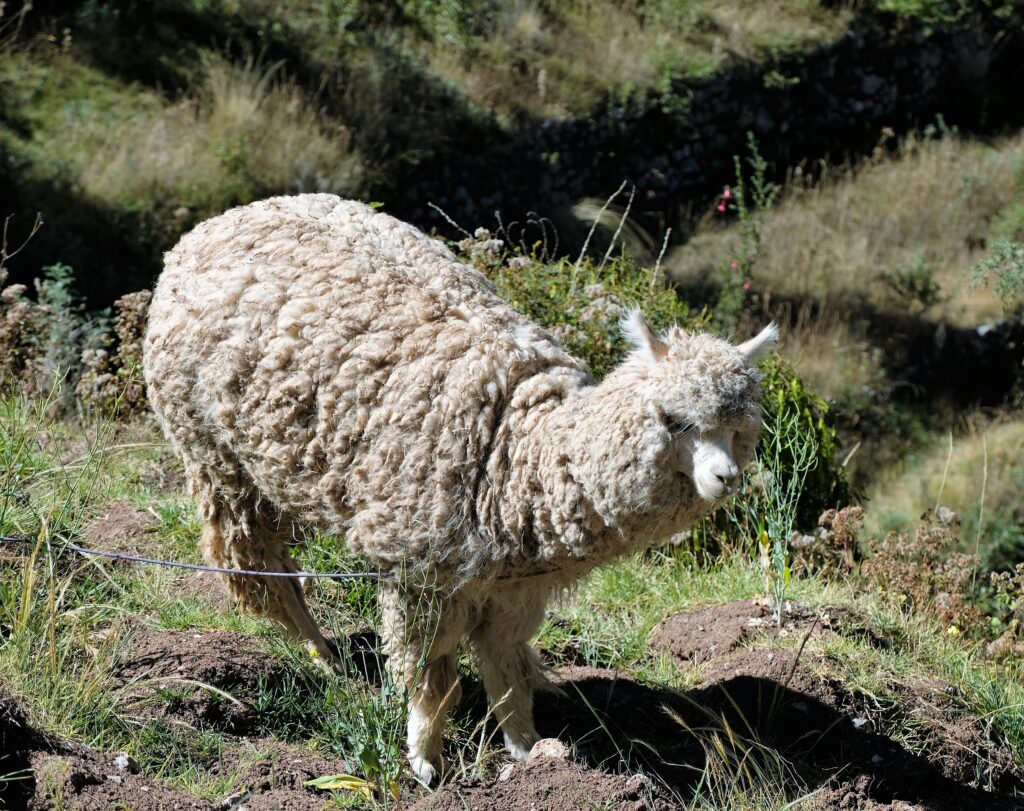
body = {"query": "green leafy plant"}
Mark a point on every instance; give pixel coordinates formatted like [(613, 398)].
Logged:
[(787, 454), (915, 284), (1004, 267), (585, 316)]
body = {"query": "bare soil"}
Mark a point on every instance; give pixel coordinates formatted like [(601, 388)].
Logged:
[(549, 784), (206, 679), (632, 745), (122, 528)]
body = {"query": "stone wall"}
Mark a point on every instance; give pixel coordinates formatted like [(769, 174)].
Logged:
[(829, 104)]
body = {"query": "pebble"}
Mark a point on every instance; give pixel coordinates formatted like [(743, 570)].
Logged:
[(125, 762), (549, 747), (506, 772)]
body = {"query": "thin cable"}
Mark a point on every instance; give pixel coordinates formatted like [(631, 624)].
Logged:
[(82, 550)]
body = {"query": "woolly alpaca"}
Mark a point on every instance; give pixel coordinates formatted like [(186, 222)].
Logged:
[(316, 362)]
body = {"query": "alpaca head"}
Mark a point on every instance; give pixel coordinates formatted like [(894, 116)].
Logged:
[(701, 400)]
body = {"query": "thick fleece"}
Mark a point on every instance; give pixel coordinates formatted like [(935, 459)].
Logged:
[(316, 362)]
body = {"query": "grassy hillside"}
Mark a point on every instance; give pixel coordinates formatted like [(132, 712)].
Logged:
[(895, 675)]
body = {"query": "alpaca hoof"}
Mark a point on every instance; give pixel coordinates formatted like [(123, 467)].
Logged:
[(520, 749), (324, 658), (423, 770)]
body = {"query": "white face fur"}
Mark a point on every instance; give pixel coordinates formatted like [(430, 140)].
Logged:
[(707, 460), (706, 457)]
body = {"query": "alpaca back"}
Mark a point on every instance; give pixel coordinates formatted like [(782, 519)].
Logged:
[(353, 367)]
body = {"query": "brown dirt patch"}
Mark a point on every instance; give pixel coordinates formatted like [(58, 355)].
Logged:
[(204, 586), (696, 636), (274, 778), (812, 723), (165, 673), (548, 784), (81, 779), (122, 528), (693, 637)]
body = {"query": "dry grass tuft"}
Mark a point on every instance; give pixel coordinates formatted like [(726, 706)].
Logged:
[(242, 127), (565, 58), (243, 131), (922, 481), (838, 239)]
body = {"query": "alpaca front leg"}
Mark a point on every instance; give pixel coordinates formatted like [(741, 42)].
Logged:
[(510, 674), (420, 640), (509, 665), (437, 691)]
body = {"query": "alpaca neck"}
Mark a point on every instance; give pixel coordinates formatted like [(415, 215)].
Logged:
[(585, 480)]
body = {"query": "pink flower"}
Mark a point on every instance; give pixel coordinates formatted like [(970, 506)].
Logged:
[(720, 207), (734, 265), (726, 194), (746, 285)]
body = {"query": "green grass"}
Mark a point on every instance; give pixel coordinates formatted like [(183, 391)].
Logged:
[(59, 651)]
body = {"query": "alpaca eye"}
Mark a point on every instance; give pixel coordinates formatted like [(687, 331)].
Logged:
[(677, 427)]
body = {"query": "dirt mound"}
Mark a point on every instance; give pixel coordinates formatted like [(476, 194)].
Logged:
[(955, 742), (275, 779), (86, 780), (548, 784), (694, 637), (45, 773), (121, 528), (205, 678), (758, 704)]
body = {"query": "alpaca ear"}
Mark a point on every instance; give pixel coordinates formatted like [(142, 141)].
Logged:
[(636, 330), (754, 349)]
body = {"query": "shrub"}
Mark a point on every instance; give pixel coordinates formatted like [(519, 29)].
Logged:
[(1004, 266), (924, 572), (41, 339), (915, 284), (111, 381), (581, 303)]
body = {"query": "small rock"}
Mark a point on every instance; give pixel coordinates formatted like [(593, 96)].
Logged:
[(115, 778), (859, 723), (549, 747), (125, 762), (506, 771)]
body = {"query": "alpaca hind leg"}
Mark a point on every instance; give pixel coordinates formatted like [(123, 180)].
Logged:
[(245, 535), (420, 643), (511, 669)]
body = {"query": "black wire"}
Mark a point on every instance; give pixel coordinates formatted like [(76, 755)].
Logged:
[(82, 550)]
